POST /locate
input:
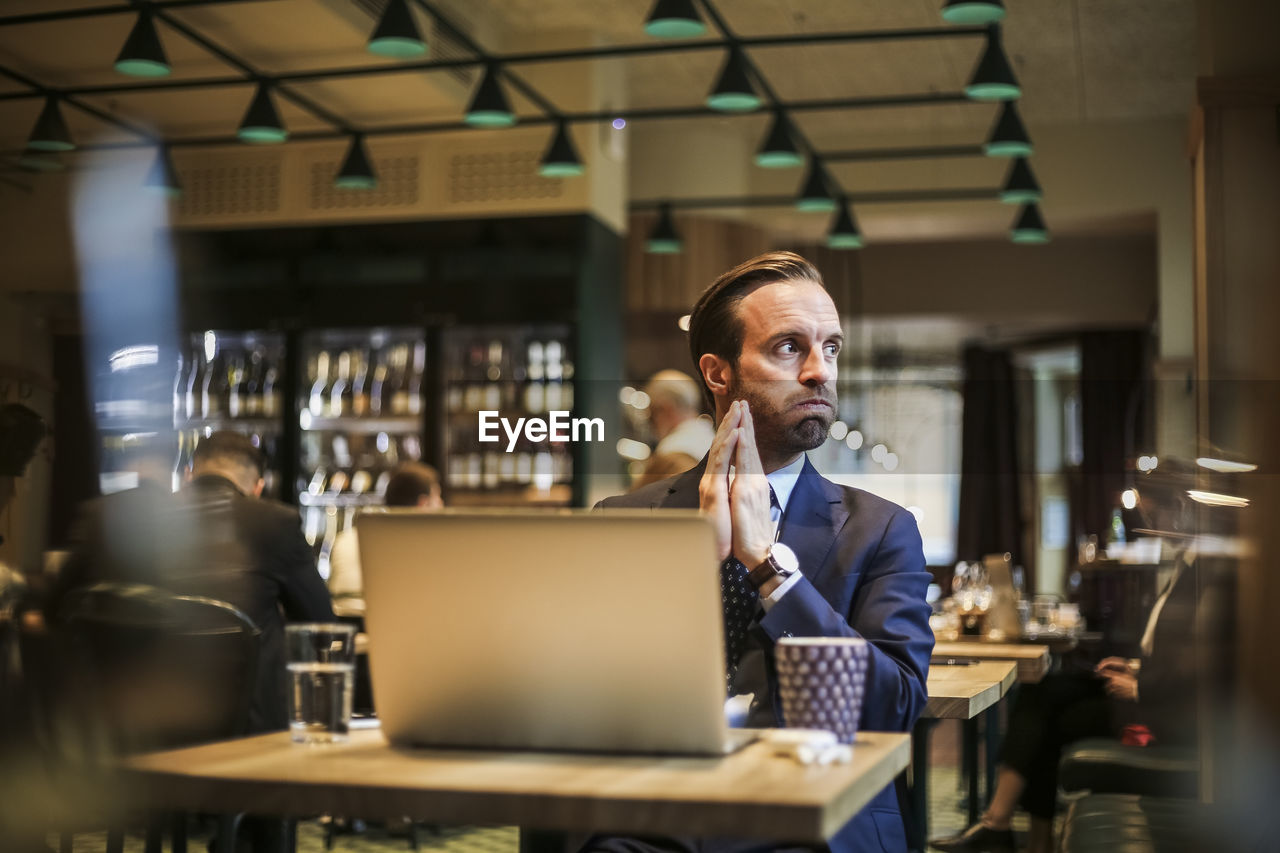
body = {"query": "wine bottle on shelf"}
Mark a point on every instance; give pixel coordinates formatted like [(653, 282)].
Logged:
[(253, 384), (340, 391), (194, 385), (394, 397), (378, 383), (317, 402), (179, 387), (212, 394), (235, 388), (326, 547), (270, 388), (359, 384), (416, 373)]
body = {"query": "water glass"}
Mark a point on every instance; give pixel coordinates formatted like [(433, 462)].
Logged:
[(321, 658)]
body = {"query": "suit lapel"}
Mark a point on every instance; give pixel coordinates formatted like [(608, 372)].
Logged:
[(815, 513), (683, 492)]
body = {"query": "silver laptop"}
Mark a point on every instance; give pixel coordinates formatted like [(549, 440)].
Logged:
[(597, 631)]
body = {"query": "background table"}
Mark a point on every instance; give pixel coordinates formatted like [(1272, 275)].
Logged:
[(1033, 659), (751, 793)]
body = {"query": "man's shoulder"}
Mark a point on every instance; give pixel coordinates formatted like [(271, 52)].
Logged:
[(866, 504), (646, 496)]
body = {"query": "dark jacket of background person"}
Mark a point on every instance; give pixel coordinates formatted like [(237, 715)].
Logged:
[(863, 576), (210, 539)]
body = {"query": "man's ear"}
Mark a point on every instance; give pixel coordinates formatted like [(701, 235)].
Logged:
[(716, 372)]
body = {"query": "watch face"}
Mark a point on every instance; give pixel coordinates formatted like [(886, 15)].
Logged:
[(784, 557)]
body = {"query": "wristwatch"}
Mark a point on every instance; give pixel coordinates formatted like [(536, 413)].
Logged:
[(781, 563)]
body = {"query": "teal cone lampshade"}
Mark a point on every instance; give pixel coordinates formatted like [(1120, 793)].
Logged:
[(1029, 227), (1008, 136), (261, 124), (779, 149), (993, 79), (489, 106), (561, 159), (733, 92), (142, 54), (397, 35), (664, 239), (356, 172), (674, 19)]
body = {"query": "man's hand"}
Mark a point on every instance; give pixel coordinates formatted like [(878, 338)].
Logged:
[(749, 497), (713, 489), (1121, 685), (1113, 665)]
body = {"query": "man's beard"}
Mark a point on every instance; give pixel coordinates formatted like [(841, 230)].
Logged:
[(779, 434)]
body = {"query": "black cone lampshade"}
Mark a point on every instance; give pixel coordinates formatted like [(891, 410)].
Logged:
[(397, 35), (779, 149), (1029, 227), (489, 106), (561, 159), (261, 124), (674, 19), (1020, 186), (733, 92), (1009, 136), (162, 177), (50, 131), (356, 172), (993, 79), (815, 196), (844, 233), (664, 239), (142, 54)]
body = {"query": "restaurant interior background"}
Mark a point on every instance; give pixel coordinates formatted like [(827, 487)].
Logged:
[(466, 276)]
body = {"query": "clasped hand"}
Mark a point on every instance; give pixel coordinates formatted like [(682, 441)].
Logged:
[(1121, 679), (739, 510)]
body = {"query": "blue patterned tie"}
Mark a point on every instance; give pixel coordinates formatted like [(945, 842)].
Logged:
[(740, 601)]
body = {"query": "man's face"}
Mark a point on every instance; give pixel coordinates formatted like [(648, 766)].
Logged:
[(787, 369)]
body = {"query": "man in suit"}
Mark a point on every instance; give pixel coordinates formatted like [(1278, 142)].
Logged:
[(215, 538), (817, 559)]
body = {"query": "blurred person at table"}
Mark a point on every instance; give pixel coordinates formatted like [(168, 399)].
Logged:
[(411, 485), (216, 538), (1144, 700), (807, 557), (675, 412)]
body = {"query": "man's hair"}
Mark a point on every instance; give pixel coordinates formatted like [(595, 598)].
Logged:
[(715, 327), (226, 446), (675, 389), (411, 481)]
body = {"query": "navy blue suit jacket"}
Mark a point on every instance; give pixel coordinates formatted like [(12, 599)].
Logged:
[(863, 576)]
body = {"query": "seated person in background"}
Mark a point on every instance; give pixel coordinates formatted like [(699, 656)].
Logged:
[(1157, 692), (414, 485), (675, 413), (214, 538)]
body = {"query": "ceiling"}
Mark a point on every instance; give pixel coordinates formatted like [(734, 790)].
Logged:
[(1079, 62)]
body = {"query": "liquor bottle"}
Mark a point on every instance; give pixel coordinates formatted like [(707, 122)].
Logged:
[(418, 370), (400, 388), (340, 391), (212, 394), (270, 389), (378, 383), (235, 387), (179, 388), (317, 403), (252, 398), (360, 402), (194, 384)]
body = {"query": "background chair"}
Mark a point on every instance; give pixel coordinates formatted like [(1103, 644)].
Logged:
[(148, 669)]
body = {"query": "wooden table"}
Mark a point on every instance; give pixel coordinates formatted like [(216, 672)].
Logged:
[(752, 793), (963, 691), (957, 691), (1033, 659)]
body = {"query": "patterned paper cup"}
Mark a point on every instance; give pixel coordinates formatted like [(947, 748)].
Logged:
[(821, 681)]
